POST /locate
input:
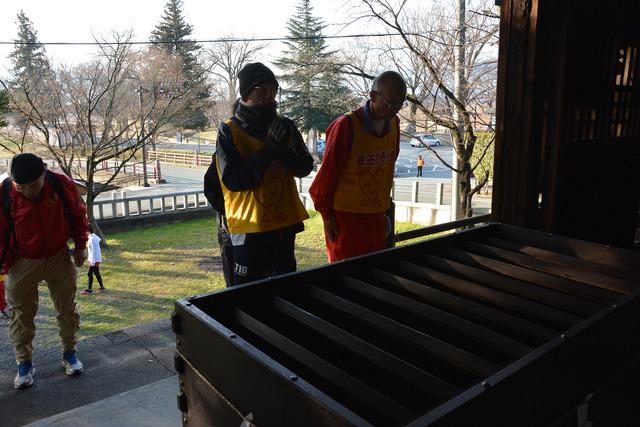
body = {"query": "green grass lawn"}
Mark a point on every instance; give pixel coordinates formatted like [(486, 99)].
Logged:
[(146, 270)]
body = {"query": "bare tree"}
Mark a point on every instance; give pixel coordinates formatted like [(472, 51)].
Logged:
[(98, 116), (226, 59), (358, 62), (423, 49)]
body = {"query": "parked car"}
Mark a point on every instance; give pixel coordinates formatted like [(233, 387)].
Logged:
[(424, 139)]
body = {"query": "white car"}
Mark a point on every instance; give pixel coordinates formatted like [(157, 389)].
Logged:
[(424, 140)]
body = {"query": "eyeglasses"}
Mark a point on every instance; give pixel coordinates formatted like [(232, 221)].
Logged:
[(269, 88), (391, 106)]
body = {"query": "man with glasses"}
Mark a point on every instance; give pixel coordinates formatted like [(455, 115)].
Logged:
[(258, 154), (352, 188), (41, 211)]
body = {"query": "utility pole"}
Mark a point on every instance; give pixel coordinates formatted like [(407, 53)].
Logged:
[(459, 90), (145, 182)]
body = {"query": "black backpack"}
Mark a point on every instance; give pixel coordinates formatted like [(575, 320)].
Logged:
[(52, 179), (212, 188)]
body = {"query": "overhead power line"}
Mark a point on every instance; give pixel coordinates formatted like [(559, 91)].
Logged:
[(220, 40)]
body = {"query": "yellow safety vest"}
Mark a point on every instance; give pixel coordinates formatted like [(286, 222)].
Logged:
[(365, 184), (273, 204)]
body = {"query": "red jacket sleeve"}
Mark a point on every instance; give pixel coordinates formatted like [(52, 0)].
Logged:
[(336, 156), (77, 212)]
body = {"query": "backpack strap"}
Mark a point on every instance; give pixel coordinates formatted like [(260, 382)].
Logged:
[(6, 208), (6, 198), (212, 187), (52, 179)]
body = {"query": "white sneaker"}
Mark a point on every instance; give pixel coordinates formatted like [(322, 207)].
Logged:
[(24, 377), (71, 364)]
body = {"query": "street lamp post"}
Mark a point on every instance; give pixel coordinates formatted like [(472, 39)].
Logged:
[(144, 144)]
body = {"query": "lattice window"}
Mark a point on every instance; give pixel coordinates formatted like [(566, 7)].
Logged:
[(614, 114), (625, 111)]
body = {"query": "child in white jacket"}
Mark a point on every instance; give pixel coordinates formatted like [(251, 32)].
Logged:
[(94, 258)]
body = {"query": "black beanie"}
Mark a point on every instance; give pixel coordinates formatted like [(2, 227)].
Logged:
[(252, 75), (26, 168)]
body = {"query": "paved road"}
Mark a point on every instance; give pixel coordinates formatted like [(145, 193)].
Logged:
[(433, 167), (179, 179), (405, 166)]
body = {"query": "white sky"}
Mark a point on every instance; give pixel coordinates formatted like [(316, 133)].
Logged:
[(78, 20)]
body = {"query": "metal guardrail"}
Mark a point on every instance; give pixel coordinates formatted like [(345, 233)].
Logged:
[(426, 231), (147, 205)]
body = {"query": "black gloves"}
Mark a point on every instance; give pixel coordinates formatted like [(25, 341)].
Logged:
[(279, 135)]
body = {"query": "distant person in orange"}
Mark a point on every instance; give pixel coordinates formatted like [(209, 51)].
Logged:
[(420, 165), (352, 188)]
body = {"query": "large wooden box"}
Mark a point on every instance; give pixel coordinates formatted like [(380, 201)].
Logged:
[(496, 325)]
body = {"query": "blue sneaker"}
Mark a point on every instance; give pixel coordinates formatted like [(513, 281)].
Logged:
[(70, 363), (24, 377)]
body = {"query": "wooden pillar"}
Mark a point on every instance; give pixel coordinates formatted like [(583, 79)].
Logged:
[(520, 104)]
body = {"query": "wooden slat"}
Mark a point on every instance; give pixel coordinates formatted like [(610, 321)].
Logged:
[(593, 252), (474, 289), (383, 360), (593, 278), (339, 378), (560, 259), (529, 290), (430, 345), (543, 279), (494, 317), (445, 320)]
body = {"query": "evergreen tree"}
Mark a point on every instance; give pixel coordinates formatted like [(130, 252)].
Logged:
[(4, 107), (28, 57), (314, 95), (172, 35)]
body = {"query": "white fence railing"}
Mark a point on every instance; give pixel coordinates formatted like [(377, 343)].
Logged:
[(121, 206), (405, 191), (416, 191)]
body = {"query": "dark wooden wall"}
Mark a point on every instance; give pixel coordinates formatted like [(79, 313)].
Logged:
[(568, 118)]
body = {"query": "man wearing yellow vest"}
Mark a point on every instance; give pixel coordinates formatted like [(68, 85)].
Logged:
[(352, 188), (258, 154)]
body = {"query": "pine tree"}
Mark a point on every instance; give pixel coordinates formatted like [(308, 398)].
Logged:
[(29, 56), (172, 35), (314, 95), (4, 107)]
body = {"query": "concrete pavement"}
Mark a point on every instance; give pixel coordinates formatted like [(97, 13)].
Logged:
[(152, 405), (121, 368)]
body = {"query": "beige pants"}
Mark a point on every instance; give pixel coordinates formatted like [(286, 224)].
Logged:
[(23, 278)]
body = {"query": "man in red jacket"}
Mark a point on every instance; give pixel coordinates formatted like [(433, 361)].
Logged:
[(352, 188), (46, 210)]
